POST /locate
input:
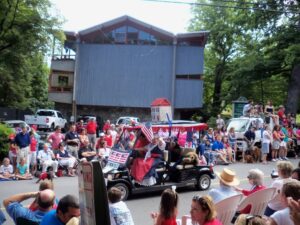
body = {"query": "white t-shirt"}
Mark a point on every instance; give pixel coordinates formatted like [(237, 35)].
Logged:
[(276, 203), (104, 152), (120, 214), (6, 169), (266, 137), (220, 123), (246, 109), (282, 217), (113, 134)]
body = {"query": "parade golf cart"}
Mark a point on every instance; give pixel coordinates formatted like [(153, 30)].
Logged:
[(117, 172)]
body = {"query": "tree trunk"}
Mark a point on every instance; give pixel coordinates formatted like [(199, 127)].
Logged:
[(293, 91)]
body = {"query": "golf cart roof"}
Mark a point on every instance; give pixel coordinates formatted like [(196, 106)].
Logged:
[(176, 125)]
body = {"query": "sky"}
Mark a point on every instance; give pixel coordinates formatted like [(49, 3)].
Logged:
[(82, 14)]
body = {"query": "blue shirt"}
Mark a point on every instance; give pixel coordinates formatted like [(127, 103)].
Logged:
[(250, 135), (51, 218), (22, 169), (71, 136), (16, 210), (210, 137), (64, 154), (22, 140), (217, 146), (218, 194)]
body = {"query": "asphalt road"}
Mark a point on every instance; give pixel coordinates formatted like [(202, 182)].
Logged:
[(140, 205)]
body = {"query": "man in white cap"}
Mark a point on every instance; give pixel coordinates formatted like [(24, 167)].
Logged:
[(227, 182)]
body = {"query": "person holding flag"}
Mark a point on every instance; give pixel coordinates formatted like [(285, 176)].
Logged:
[(151, 155)]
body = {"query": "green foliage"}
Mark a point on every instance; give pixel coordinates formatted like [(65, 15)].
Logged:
[(26, 29), (197, 118), (249, 53), (4, 134), (212, 122)]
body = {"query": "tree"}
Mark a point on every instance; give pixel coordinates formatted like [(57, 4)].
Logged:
[(25, 30), (252, 51), (225, 26)]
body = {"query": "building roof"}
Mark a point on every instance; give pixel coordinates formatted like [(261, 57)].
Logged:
[(120, 20), (161, 102), (100, 29)]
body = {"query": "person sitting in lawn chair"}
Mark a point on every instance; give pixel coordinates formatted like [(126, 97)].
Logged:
[(218, 150)]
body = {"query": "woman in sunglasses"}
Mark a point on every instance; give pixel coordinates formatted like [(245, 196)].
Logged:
[(203, 211)]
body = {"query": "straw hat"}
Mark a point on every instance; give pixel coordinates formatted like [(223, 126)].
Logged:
[(73, 221), (228, 177)]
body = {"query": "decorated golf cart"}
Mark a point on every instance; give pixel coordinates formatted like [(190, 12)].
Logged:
[(163, 162)]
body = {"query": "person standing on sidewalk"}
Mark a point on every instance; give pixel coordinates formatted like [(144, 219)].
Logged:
[(91, 129), (266, 140), (23, 142), (72, 141)]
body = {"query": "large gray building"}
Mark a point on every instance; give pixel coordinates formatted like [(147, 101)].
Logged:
[(121, 66)]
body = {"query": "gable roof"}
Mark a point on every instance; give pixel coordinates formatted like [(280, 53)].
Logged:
[(87, 35), (161, 102), (121, 20)]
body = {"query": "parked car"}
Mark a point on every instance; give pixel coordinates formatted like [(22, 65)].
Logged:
[(117, 173), (127, 120), (46, 119), (16, 125)]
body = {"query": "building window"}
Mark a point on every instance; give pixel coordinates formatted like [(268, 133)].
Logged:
[(131, 35), (63, 81), (189, 76)]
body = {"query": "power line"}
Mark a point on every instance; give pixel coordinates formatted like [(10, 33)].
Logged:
[(250, 3), (225, 6)]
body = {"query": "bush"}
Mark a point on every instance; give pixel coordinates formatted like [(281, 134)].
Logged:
[(4, 140)]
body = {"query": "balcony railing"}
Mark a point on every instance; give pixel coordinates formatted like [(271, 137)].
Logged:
[(61, 89), (63, 57)]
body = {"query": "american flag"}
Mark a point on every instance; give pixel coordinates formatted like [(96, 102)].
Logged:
[(118, 157), (147, 131)]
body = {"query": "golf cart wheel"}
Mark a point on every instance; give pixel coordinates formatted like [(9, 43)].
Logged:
[(124, 189), (203, 183)]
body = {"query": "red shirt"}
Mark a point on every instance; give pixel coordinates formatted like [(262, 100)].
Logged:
[(108, 139), (13, 148), (213, 222), (247, 209), (106, 127), (33, 143), (56, 139), (91, 127), (280, 114)]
